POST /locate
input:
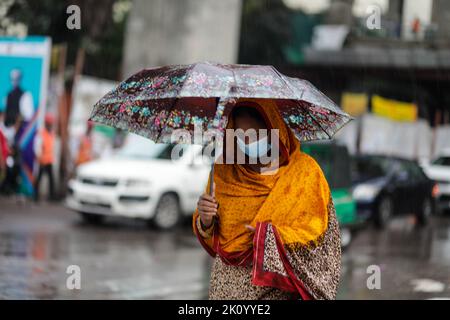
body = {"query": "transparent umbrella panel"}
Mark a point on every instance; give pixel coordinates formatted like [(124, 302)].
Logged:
[(155, 102)]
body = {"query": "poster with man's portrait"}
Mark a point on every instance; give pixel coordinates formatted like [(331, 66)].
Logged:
[(24, 71)]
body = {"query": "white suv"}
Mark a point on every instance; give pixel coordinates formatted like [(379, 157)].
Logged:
[(439, 171), (141, 180)]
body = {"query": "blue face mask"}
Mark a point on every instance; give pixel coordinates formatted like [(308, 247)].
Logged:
[(255, 149)]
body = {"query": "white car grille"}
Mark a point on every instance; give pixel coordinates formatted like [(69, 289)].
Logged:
[(100, 182)]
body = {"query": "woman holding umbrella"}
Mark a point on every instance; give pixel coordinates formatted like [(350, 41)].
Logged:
[(272, 230), (273, 236)]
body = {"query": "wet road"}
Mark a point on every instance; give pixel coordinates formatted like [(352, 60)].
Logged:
[(126, 260)]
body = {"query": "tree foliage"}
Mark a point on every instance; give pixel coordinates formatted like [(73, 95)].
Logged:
[(266, 29), (100, 35)]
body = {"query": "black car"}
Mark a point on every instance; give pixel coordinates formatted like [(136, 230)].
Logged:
[(384, 186)]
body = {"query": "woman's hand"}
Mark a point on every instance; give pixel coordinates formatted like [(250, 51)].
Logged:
[(207, 207)]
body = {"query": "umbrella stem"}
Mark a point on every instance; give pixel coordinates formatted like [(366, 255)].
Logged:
[(211, 173), (211, 180)]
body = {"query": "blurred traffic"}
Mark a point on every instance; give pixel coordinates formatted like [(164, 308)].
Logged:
[(140, 180), (118, 205)]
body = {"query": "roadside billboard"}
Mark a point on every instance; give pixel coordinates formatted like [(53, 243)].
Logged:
[(24, 71)]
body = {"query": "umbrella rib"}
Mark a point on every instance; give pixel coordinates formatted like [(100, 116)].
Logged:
[(285, 82), (293, 92), (323, 129), (315, 120), (235, 82), (172, 106), (174, 102)]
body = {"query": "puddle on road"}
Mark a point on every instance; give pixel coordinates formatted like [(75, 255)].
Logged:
[(33, 263)]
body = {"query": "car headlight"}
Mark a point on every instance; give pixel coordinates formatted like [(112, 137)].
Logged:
[(135, 183), (365, 192)]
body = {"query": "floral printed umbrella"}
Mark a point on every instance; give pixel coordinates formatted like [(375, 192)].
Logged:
[(155, 102)]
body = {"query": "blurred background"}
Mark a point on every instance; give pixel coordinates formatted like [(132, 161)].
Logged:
[(76, 193)]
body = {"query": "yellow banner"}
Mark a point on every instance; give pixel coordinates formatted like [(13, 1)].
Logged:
[(355, 104), (392, 109)]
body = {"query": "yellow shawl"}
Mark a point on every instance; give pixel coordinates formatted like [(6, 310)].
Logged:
[(294, 199)]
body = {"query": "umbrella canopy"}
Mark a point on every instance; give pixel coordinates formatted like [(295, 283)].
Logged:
[(155, 102)]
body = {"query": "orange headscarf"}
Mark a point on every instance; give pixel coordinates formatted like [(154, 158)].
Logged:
[(294, 199)]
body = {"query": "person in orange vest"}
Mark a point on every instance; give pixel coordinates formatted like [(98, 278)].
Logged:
[(44, 153), (416, 27), (85, 147)]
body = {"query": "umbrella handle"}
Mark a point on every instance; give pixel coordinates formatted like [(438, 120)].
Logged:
[(211, 173), (211, 180), (211, 188)]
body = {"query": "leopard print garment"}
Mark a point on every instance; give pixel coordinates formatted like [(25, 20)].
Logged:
[(234, 283), (317, 267)]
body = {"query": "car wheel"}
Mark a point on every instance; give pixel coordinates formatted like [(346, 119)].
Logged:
[(384, 212), (92, 218), (425, 213), (167, 214), (346, 237)]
